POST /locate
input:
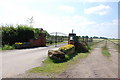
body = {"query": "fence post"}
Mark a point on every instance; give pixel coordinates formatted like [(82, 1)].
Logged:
[(56, 40), (106, 43)]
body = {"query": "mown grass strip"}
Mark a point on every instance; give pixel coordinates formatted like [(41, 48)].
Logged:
[(105, 51), (50, 68)]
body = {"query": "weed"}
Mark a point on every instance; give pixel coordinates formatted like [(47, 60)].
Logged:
[(8, 47), (105, 51)]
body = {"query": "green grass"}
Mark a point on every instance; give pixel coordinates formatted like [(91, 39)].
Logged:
[(97, 39), (105, 51), (117, 48), (114, 39), (92, 45), (82, 55), (52, 69), (7, 47)]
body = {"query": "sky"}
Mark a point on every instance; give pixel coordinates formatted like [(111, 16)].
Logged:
[(86, 18)]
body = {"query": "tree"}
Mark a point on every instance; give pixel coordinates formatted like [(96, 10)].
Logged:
[(30, 21)]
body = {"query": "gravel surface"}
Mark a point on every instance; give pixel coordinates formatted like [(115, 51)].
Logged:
[(95, 65)]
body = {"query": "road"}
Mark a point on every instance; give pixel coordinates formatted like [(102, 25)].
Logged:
[(95, 65), (16, 62)]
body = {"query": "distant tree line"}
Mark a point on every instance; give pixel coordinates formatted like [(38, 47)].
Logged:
[(93, 37)]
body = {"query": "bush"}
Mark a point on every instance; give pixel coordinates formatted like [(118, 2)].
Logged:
[(9, 34), (18, 33), (21, 33), (8, 47)]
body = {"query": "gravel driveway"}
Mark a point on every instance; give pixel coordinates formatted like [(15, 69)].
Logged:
[(95, 65)]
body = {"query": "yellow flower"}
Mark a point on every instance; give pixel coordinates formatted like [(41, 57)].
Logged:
[(18, 43), (66, 47)]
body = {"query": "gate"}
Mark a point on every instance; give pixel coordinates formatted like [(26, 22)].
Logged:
[(56, 37)]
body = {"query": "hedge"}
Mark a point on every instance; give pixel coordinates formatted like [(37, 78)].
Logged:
[(19, 33)]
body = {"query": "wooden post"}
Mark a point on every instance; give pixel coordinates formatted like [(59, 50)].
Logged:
[(56, 40)]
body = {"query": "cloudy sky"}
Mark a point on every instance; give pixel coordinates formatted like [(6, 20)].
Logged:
[(88, 17)]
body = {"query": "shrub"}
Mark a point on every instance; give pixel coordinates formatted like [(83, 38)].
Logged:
[(25, 33), (8, 47), (9, 34), (21, 33)]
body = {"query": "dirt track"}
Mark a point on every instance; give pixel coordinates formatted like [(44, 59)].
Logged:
[(95, 65)]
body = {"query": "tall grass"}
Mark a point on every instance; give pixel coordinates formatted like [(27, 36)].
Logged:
[(105, 51)]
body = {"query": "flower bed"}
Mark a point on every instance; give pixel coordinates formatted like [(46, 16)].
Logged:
[(19, 45), (67, 49)]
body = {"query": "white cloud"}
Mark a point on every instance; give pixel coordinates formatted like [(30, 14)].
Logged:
[(17, 14), (104, 29), (67, 9), (100, 10), (101, 0)]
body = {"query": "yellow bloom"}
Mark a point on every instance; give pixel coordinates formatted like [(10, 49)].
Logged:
[(18, 43), (66, 47)]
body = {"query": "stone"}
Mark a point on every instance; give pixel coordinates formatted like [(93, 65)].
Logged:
[(56, 54)]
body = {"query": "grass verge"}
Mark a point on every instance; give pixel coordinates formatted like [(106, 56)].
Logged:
[(49, 68), (7, 47), (105, 51), (117, 48)]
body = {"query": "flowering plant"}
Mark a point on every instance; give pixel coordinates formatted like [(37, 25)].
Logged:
[(18, 43), (66, 47)]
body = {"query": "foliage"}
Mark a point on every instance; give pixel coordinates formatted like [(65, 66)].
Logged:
[(8, 47), (21, 33), (18, 33), (9, 34), (24, 33), (50, 68), (36, 32), (105, 51)]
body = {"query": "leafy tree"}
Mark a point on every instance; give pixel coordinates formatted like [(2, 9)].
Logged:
[(36, 33), (30, 21)]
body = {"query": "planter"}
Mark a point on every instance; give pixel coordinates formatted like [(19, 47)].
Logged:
[(69, 51), (23, 45), (56, 54)]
